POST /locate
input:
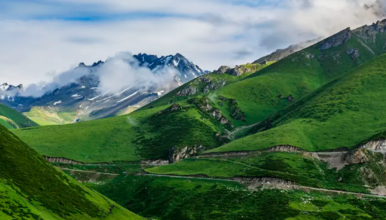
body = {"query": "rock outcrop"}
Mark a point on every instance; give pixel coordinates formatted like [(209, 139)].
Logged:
[(285, 148), (154, 163), (375, 146), (353, 53), (175, 107), (177, 154), (62, 160), (222, 70), (238, 71), (256, 183), (336, 40), (369, 32), (188, 91), (290, 98)]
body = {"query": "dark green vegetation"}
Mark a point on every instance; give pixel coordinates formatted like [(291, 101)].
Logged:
[(30, 188), (173, 198), (301, 169), (11, 118)]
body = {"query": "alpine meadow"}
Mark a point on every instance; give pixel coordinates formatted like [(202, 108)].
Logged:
[(294, 134)]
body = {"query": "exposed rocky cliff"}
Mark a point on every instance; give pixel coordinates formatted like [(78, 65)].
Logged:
[(177, 154), (336, 40)]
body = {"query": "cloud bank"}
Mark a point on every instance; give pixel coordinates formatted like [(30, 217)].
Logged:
[(115, 74), (40, 39)]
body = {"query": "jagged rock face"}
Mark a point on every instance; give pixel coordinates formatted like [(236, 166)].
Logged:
[(188, 91), (357, 157), (175, 107), (186, 69), (222, 70), (341, 159), (176, 154), (238, 71), (84, 98), (217, 114), (375, 146), (369, 32), (353, 53), (336, 40), (224, 120)]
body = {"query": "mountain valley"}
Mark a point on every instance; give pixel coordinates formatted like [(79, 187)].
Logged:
[(298, 134)]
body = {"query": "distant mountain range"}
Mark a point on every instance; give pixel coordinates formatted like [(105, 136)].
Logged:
[(81, 100)]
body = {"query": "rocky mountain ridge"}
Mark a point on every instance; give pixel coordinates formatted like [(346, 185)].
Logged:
[(82, 100)]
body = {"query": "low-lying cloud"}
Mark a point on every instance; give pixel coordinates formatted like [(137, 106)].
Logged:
[(115, 74)]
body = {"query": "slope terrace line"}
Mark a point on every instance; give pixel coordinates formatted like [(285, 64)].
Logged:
[(270, 183)]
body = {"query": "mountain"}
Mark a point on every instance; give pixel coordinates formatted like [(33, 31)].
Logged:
[(300, 138), (149, 133), (226, 105), (283, 53), (30, 188), (186, 69), (11, 118), (82, 100)]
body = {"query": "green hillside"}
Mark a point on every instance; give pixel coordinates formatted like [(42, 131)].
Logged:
[(220, 106), (30, 188), (192, 198), (273, 88), (342, 114), (143, 134), (11, 118)]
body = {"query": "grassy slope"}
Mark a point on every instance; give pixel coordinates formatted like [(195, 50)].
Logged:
[(297, 75), (294, 167), (14, 119), (344, 113), (143, 134), (50, 116), (172, 97), (172, 198), (30, 188)]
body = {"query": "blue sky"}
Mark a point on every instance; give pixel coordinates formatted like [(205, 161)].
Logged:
[(41, 38)]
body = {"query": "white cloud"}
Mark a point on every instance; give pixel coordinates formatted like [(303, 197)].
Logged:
[(35, 46)]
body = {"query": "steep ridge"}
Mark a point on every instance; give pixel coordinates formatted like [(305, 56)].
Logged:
[(30, 188), (10, 118), (283, 53)]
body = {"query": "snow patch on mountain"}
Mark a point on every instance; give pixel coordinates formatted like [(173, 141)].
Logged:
[(127, 97)]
